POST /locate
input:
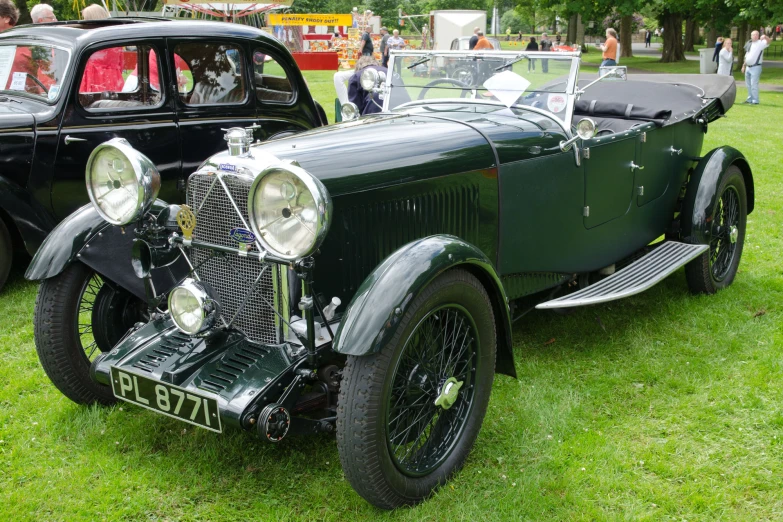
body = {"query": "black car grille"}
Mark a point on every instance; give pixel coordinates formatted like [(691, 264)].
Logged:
[(232, 277)]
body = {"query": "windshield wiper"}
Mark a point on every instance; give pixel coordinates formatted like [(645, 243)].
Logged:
[(512, 62), (423, 60)]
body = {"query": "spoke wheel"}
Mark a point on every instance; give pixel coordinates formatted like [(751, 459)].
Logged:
[(432, 390), (73, 313), (717, 267), (723, 246), (408, 415)]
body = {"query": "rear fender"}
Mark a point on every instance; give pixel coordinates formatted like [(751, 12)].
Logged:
[(85, 237), (375, 312), (702, 191)]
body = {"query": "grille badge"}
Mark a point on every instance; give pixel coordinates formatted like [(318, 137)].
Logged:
[(242, 235)]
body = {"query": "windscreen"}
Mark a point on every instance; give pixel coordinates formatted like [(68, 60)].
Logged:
[(37, 70), (511, 80)]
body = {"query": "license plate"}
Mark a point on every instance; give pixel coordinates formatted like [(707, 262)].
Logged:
[(166, 399)]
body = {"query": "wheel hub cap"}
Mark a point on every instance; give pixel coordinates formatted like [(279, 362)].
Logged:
[(448, 393), (733, 234)]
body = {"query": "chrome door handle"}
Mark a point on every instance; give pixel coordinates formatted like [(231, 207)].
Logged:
[(69, 139), (634, 166), (674, 151)]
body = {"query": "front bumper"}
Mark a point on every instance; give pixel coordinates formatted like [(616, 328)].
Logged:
[(242, 375)]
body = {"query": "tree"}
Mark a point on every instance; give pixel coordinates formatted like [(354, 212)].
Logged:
[(671, 21)]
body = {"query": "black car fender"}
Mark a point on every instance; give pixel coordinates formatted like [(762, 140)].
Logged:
[(702, 191), (376, 310), (24, 214), (85, 237)]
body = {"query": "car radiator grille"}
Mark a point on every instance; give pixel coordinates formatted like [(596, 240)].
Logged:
[(232, 277)]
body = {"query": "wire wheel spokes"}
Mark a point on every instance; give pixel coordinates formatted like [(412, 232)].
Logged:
[(723, 244), (438, 363), (84, 318)]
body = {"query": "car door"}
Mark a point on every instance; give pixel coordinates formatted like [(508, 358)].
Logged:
[(118, 92), (212, 94), (658, 156), (609, 168)]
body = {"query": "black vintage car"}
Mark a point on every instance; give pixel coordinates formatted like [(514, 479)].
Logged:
[(166, 87), (436, 221)]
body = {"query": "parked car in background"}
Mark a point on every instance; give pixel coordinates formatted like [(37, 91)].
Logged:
[(525, 190), (167, 87), (463, 43)]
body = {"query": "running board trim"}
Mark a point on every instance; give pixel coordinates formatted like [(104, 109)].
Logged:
[(637, 277)]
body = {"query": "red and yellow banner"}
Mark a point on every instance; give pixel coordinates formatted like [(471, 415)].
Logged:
[(310, 19)]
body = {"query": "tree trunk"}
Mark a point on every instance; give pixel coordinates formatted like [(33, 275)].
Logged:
[(712, 37), (672, 37), (571, 36), (580, 33), (742, 37), (24, 13), (690, 30), (626, 38)]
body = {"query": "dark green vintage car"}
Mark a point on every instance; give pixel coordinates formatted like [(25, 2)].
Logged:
[(462, 204)]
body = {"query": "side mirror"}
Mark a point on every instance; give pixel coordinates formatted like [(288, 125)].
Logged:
[(349, 111), (613, 73), (585, 130)]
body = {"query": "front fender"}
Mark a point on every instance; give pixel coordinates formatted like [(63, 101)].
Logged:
[(29, 217), (702, 191), (85, 237), (375, 312)]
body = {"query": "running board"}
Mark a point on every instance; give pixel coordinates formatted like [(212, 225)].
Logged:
[(637, 277)]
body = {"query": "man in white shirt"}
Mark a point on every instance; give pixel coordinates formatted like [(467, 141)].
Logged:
[(752, 65)]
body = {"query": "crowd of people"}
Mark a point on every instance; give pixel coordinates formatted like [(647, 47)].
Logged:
[(43, 13)]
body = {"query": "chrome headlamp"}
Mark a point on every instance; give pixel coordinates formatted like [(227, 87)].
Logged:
[(371, 78), (349, 111), (193, 307), (289, 211), (122, 182)]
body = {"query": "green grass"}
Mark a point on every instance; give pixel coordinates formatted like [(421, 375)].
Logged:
[(664, 406)]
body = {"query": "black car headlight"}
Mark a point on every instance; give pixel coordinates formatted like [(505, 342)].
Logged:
[(289, 211), (122, 182), (193, 307)]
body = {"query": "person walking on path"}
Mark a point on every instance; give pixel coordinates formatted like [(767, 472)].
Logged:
[(718, 47), (752, 66), (531, 46), (610, 49), (647, 38), (545, 45), (726, 58)]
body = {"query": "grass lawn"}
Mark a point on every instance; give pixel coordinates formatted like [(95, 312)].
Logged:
[(663, 406)]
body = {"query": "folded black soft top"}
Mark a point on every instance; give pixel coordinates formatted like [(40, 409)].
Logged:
[(656, 97)]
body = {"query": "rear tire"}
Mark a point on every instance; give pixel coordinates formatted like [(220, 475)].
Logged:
[(396, 445), (716, 268), (6, 253), (63, 333)]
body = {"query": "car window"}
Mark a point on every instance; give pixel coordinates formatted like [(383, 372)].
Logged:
[(271, 81), (111, 79), (209, 73), (37, 70)]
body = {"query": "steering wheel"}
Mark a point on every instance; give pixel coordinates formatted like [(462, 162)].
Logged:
[(36, 80), (446, 81)]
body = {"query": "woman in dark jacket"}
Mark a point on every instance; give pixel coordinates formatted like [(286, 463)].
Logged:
[(531, 46)]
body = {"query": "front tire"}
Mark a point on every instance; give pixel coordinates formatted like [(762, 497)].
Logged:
[(716, 268), (408, 415), (65, 316)]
